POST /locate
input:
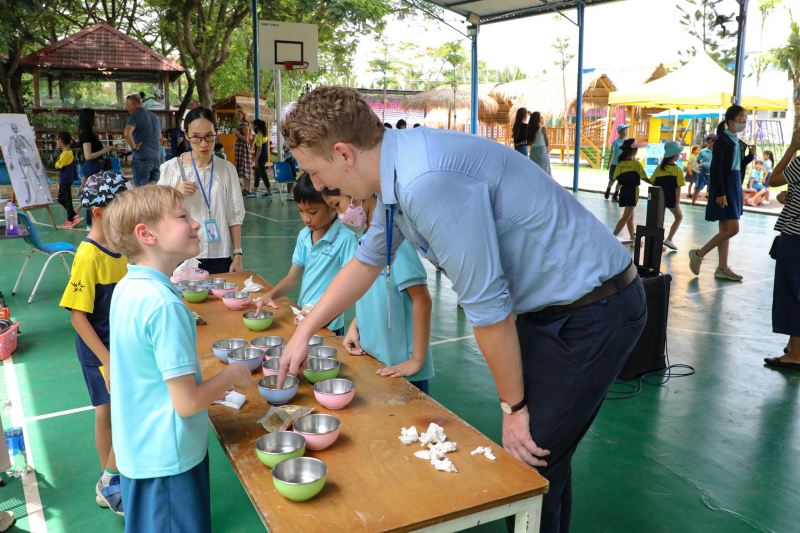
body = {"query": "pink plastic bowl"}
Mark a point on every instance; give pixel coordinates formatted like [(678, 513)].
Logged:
[(334, 393), (236, 301)]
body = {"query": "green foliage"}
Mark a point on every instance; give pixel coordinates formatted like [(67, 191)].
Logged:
[(562, 48), (787, 58), (503, 75), (713, 22), (454, 63), (52, 120)]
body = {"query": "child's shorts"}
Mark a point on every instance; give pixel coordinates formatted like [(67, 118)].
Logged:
[(701, 182), (95, 384), (758, 187), (172, 503)]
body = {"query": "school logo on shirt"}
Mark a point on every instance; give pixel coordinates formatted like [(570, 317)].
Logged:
[(77, 286)]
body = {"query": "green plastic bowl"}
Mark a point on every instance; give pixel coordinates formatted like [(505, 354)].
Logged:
[(195, 296), (280, 446), (300, 479), (257, 321), (318, 368)]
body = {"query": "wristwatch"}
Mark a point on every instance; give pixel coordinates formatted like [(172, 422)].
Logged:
[(237, 251), (510, 409)]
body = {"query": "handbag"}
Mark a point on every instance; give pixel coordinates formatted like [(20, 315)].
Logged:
[(773, 250)]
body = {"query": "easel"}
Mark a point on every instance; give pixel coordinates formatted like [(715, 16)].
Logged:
[(34, 207)]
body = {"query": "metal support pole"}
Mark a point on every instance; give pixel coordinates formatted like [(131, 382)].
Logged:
[(737, 76), (256, 81), (472, 31), (278, 106), (576, 160)]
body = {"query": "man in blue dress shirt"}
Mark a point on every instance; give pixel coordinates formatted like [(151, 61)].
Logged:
[(554, 300)]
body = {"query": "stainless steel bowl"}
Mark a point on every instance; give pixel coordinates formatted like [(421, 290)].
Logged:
[(228, 286), (321, 364), (280, 442), (276, 351), (300, 471), (216, 280), (334, 386), (325, 352), (229, 344), (316, 423), (257, 315), (272, 365), (271, 382), (235, 295), (315, 340), (267, 342), (245, 354)]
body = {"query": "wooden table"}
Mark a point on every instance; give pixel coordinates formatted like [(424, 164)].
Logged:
[(374, 482)]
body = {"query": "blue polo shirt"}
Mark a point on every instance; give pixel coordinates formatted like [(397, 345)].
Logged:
[(153, 340), (393, 343), (508, 236), (321, 261), (616, 150), (704, 160)]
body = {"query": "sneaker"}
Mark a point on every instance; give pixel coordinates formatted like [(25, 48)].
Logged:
[(110, 496), (607, 194), (623, 240), (266, 194), (77, 220), (669, 244), (67, 224), (727, 273), (6, 520), (695, 261), (615, 198)]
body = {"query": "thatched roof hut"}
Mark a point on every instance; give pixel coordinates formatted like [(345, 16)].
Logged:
[(442, 98)]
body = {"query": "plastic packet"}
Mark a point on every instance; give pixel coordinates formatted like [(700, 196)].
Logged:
[(280, 417)]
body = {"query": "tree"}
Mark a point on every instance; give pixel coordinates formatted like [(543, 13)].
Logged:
[(564, 57), (787, 58), (716, 31), (453, 69), (763, 59)]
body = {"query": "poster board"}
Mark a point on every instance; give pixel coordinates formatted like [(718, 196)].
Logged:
[(28, 174)]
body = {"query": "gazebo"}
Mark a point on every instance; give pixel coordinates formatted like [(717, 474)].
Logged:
[(96, 68)]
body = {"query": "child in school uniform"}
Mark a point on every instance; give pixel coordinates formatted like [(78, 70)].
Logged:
[(629, 174), (67, 174), (669, 176), (397, 332), (703, 167), (323, 247), (616, 151), (160, 410), (692, 169), (96, 270)]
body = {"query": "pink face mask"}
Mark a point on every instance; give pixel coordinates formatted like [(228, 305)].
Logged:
[(354, 216)]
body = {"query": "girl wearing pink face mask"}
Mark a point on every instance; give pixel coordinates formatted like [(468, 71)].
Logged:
[(394, 329)]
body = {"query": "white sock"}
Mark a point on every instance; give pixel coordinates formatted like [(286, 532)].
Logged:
[(105, 479)]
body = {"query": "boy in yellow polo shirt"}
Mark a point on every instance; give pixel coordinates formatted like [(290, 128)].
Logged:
[(95, 272)]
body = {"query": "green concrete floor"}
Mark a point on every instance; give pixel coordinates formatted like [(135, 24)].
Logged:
[(717, 451)]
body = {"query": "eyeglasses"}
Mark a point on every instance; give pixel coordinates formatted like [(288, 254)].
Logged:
[(210, 138)]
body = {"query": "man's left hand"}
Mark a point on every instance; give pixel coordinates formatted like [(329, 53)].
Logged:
[(517, 439)]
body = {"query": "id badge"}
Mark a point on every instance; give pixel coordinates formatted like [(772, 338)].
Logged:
[(212, 231)]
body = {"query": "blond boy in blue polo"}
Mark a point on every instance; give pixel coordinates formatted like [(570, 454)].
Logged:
[(159, 414)]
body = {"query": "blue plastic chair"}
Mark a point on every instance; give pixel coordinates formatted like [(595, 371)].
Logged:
[(116, 165), (52, 250), (283, 176)]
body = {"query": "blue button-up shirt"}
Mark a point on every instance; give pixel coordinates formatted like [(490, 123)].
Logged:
[(506, 234)]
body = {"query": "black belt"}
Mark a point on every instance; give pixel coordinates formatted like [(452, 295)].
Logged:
[(608, 288)]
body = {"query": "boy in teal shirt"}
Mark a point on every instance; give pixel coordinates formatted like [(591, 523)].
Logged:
[(159, 414), (397, 331), (323, 247)]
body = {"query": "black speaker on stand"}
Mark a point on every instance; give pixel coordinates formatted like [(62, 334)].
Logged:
[(649, 354)]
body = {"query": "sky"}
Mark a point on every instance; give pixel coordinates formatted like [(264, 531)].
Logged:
[(626, 34)]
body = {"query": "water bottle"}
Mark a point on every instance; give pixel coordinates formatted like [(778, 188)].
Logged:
[(15, 441), (12, 224)]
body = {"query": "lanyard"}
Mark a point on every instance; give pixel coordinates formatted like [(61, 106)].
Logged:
[(206, 198), (389, 231)]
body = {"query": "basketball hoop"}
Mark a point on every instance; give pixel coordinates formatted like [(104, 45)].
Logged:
[(295, 65)]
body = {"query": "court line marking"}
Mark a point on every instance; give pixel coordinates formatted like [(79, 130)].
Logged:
[(59, 413), (718, 334), (273, 219), (30, 485), (454, 339)]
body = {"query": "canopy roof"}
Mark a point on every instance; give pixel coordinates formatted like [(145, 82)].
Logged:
[(246, 103), (101, 49), (700, 83), (487, 11)]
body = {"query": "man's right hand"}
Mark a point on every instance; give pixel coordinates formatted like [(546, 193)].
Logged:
[(187, 188), (293, 360), (517, 439)]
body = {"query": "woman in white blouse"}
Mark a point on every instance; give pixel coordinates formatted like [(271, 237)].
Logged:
[(210, 186)]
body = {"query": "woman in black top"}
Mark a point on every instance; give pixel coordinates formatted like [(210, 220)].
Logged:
[(728, 164), (519, 130), (93, 150)]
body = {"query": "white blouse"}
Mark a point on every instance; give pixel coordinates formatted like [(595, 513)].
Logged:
[(227, 206)]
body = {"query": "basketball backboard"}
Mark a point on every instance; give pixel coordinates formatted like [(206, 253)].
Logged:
[(287, 41)]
